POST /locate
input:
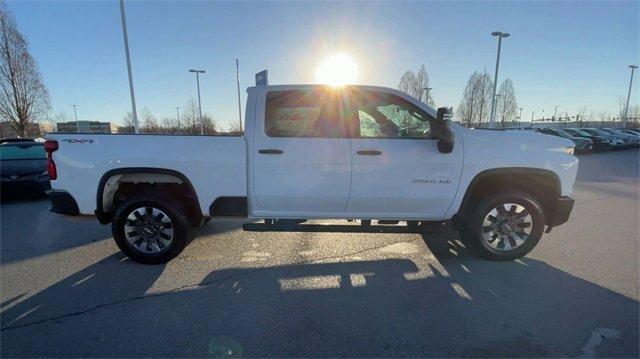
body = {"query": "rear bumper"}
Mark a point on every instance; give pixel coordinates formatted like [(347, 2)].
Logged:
[(561, 212), (62, 203), (28, 185)]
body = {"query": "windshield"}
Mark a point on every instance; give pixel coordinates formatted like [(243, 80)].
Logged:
[(597, 132), (609, 131), (579, 132), (22, 152), (563, 133)]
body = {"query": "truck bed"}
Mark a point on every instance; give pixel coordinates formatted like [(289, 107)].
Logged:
[(82, 160)]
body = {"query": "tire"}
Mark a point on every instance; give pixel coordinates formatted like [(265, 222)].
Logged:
[(483, 233), (141, 248)]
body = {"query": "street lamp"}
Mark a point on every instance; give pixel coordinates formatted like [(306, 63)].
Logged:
[(75, 114), (134, 115), (178, 114), (626, 108), (500, 35), (520, 117), (427, 89), (198, 72), (239, 102), (555, 111), (533, 112)]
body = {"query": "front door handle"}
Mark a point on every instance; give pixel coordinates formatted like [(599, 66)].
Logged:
[(270, 151), (369, 152)]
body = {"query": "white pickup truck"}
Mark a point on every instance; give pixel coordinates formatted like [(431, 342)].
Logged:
[(310, 152)]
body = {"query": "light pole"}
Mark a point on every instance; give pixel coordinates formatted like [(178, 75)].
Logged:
[(75, 114), (426, 99), (178, 114), (626, 107), (134, 115), (532, 112), (500, 35), (555, 111), (198, 72), (239, 105), (520, 117)]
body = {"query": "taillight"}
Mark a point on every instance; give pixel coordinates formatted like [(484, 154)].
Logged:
[(50, 147)]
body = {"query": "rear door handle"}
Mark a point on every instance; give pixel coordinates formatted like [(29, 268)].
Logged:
[(369, 152), (270, 151)]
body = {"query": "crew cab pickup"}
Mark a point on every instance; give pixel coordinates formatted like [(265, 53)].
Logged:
[(311, 152)]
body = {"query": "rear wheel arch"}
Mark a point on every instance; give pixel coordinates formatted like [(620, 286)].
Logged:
[(170, 182), (541, 183)]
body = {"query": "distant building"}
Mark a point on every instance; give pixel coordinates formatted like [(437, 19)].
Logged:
[(87, 127), (34, 129)]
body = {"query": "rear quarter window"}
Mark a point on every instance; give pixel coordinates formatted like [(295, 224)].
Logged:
[(22, 152)]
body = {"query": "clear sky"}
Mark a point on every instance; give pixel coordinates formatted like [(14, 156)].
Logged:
[(560, 53)]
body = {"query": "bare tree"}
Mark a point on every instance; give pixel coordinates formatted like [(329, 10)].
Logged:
[(581, 115), (633, 113), (415, 84), (149, 122), (190, 118), (169, 125), (474, 106), (24, 100), (127, 124), (234, 130), (54, 119), (209, 124), (506, 105), (603, 115)]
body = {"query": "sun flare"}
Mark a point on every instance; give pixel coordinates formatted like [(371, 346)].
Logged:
[(337, 70)]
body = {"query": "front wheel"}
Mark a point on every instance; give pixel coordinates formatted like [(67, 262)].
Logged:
[(504, 226), (150, 229)]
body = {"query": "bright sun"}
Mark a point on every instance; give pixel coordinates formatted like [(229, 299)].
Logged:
[(337, 70)]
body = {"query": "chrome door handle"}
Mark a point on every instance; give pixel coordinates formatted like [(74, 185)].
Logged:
[(270, 151), (369, 152)]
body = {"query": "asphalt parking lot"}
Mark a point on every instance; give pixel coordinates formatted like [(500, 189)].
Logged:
[(66, 290)]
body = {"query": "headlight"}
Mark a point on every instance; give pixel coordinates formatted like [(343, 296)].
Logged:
[(569, 150)]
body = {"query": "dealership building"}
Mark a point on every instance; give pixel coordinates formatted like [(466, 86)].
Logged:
[(87, 127)]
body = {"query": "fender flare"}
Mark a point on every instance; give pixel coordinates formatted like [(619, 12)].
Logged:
[(106, 217), (503, 171)]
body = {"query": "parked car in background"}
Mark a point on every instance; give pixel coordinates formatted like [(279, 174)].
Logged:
[(582, 144), (599, 143), (632, 132), (23, 167), (627, 137), (616, 141), (16, 139)]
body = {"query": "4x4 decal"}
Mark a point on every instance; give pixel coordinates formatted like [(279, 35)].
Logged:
[(73, 140)]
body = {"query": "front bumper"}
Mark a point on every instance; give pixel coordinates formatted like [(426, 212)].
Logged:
[(561, 212), (62, 203), (584, 147)]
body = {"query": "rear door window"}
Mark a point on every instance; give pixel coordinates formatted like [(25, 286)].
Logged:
[(314, 113)]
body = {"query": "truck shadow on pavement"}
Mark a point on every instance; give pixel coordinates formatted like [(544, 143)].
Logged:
[(451, 304), (28, 229)]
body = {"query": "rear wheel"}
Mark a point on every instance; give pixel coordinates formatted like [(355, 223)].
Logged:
[(504, 226), (150, 229)]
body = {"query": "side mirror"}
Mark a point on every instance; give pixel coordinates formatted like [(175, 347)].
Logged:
[(441, 131)]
